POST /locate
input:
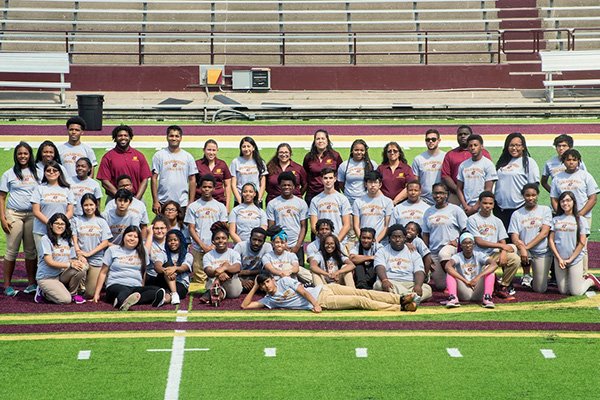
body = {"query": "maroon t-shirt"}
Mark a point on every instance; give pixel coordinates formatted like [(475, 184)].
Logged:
[(314, 167), (118, 162), (220, 171), (454, 158), (273, 187), (394, 182)]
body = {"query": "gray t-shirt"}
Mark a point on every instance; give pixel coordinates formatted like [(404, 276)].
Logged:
[(443, 225), (474, 175), (117, 224), (489, 228), (331, 206), (469, 268), (372, 212), (581, 183), (80, 188), (213, 259), (20, 191), (352, 174), (399, 265), (406, 212), (420, 247), (246, 171), (329, 265), (52, 200), (528, 224), (184, 277), (62, 253), (136, 207), (565, 235), (511, 179), (286, 296), (252, 261), (554, 166), (288, 214), (278, 262), (69, 155), (428, 169), (247, 217), (174, 170), (154, 252), (203, 214), (124, 266), (90, 233)]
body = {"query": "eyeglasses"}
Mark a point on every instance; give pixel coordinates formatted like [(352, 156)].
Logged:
[(431, 139), (515, 146), (392, 151)]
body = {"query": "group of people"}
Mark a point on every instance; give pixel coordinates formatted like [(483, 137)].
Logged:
[(384, 236)]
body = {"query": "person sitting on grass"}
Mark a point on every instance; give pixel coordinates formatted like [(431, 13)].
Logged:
[(222, 263), (123, 268), (470, 275), (324, 227), (251, 253), (281, 262), (59, 271), (400, 270), (362, 255), (415, 242), (173, 267), (330, 265), (121, 216), (290, 294)]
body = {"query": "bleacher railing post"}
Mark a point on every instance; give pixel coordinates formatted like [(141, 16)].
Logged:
[(140, 59)]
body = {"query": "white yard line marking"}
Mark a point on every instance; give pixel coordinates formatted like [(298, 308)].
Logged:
[(181, 319), (270, 352), (84, 355), (590, 293), (454, 352), (175, 368), (182, 311), (361, 352), (547, 353)]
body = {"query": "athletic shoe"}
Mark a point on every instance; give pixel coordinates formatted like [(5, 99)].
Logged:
[(10, 291), (30, 289), (595, 279), (175, 298), (452, 302), (511, 290), (39, 296), (77, 299), (408, 302), (487, 302), (131, 300), (159, 298), (503, 293), (526, 281), (552, 282)]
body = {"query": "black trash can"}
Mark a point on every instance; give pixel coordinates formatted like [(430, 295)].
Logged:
[(89, 107)]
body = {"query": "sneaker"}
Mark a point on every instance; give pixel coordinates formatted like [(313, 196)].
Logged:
[(526, 281), (159, 298), (30, 289), (487, 302), (503, 293), (511, 290), (408, 302), (10, 291), (595, 279), (39, 295), (452, 302), (552, 282), (77, 299), (131, 300), (175, 298)]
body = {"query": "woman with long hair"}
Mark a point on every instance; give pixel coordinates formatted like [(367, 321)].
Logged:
[(17, 217), (248, 167), (246, 216), (515, 169), (123, 268), (83, 183), (351, 173), (211, 164), (321, 155), (47, 151), (173, 267), (282, 162), (396, 172), (330, 265), (567, 241)]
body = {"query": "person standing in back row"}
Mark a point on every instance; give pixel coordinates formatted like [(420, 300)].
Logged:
[(124, 159), (74, 149), (427, 166), (321, 155)]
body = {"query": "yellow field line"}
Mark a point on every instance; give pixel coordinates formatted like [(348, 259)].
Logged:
[(303, 334), (592, 302)]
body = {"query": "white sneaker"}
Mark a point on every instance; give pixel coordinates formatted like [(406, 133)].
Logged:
[(526, 281), (175, 298)]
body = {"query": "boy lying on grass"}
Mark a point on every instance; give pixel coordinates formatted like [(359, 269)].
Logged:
[(288, 293)]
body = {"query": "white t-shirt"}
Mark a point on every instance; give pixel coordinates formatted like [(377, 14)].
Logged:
[(124, 266), (443, 225), (80, 188), (372, 212), (62, 253), (406, 212), (581, 183), (331, 206), (469, 268), (246, 171), (90, 233), (203, 214), (52, 200)]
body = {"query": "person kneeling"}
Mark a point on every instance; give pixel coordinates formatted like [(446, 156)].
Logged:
[(470, 275), (288, 293)]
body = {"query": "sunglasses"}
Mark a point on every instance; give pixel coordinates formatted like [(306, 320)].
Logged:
[(427, 140)]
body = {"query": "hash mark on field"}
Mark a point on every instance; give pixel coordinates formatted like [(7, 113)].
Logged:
[(454, 352), (548, 353), (181, 319), (270, 352), (590, 293), (84, 355), (182, 311), (361, 352)]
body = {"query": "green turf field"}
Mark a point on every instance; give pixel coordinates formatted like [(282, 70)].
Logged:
[(236, 368)]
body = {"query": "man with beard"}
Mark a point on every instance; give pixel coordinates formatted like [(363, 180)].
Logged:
[(251, 253)]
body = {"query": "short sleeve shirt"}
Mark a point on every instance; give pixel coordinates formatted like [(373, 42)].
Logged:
[(287, 297), (118, 224), (443, 225), (511, 179), (406, 212), (428, 169), (372, 212), (80, 188), (252, 261), (288, 214), (90, 233), (124, 266), (581, 183), (203, 214), (394, 182), (20, 191), (69, 155), (62, 253), (188, 261), (352, 174), (213, 259), (565, 235), (52, 200), (469, 268), (174, 170), (474, 175), (247, 217), (118, 162), (528, 224), (399, 265), (489, 229), (246, 171), (331, 206)]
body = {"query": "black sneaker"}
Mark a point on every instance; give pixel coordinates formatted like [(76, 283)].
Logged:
[(511, 290), (159, 298)]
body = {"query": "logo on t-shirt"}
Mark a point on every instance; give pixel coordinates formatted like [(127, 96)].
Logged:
[(134, 158)]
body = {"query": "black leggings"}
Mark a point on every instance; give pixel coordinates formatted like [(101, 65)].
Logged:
[(121, 292), (160, 281)]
